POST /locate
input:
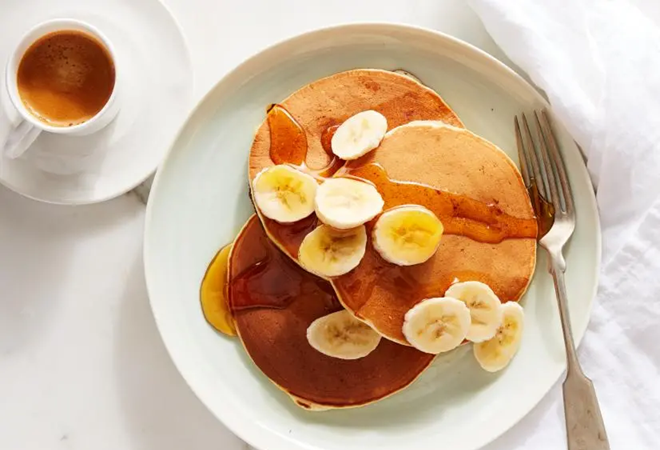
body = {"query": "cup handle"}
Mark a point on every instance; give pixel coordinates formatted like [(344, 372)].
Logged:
[(16, 134), (18, 138)]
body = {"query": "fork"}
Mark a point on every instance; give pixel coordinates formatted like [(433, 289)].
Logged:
[(544, 173)]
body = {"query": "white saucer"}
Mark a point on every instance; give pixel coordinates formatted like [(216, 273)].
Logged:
[(155, 83)]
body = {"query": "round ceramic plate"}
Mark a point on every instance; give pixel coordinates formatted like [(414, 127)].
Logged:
[(154, 81), (200, 200)]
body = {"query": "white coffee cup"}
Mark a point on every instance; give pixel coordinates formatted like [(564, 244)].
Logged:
[(25, 127)]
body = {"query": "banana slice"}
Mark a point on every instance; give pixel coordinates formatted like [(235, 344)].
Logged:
[(496, 353), (485, 308), (284, 194), (328, 252), (437, 325), (407, 235), (358, 135), (345, 203), (340, 335)]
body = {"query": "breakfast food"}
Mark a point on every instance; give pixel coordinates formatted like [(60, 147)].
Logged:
[(437, 325), (284, 194), (385, 234), (275, 303), (328, 252), (485, 308), (407, 235), (489, 229), (358, 135), (495, 354), (340, 335), (345, 203), (326, 103)]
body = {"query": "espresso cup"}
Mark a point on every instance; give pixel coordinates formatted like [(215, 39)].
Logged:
[(26, 126)]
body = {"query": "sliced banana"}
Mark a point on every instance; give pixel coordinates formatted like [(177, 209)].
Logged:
[(328, 252), (407, 235), (437, 325), (485, 308), (496, 353), (359, 134), (345, 203), (284, 194), (340, 335)]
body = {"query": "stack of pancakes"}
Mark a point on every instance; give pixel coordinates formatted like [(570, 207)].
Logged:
[(426, 144)]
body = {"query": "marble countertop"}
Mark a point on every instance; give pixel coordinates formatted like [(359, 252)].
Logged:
[(81, 363)]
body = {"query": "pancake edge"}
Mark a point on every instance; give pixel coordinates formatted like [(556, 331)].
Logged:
[(301, 402)]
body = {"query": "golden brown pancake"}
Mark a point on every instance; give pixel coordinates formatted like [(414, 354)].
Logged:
[(331, 100), (273, 301), (480, 181), (446, 158)]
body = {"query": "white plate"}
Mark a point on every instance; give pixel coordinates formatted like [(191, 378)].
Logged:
[(200, 200), (155, 88)]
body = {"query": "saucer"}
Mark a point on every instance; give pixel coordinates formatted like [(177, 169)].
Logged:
[(155, 83)]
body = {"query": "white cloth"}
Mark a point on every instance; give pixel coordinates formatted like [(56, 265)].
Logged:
[(598, 61)]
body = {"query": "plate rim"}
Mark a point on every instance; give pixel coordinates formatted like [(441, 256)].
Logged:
[(251, 433)]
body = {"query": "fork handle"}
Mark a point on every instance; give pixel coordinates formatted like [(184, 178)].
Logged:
[(585, 429)]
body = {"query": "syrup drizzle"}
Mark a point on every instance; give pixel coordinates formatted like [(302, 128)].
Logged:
[(213, 294), (326, 138), (545, 211), (263, 277), (288, 143), (460, 214)]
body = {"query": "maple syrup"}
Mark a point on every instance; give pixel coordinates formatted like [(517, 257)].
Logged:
[(213, 294), (291, 235), (274, 301), (326, 138), (263, 277), (460, 214), (545, 211), (288, 143)]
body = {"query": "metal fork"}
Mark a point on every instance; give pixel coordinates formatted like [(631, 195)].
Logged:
[(545, 176)]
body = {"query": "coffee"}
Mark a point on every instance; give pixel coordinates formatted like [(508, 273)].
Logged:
[(65, 78)]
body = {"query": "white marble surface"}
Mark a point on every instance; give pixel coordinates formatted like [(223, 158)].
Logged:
[(81, 363)]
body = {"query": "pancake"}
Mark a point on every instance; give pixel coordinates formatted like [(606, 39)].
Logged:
[(453, 161), (330, 101), (490, 229), (273, 301)]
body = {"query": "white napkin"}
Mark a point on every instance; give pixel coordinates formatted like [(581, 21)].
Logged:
[(598, 61)]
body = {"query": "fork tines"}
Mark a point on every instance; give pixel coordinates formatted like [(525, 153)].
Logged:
[(541, 163)]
